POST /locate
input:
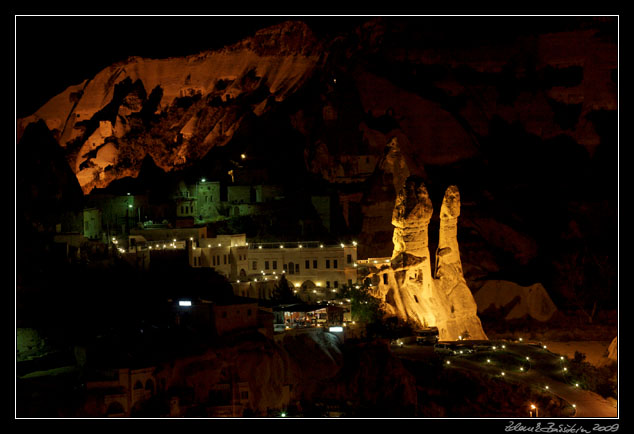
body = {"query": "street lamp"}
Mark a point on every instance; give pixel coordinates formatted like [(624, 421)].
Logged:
[(533, 407)]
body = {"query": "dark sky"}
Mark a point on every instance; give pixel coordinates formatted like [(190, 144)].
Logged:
[(54, 52)]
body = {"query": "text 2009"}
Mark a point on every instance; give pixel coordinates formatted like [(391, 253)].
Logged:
[(605, 428)]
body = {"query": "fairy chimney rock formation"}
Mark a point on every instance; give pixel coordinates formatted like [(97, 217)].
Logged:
[(411, 217), (410, 290)]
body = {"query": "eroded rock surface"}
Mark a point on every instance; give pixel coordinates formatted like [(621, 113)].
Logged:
[(410, 290), (515, 301)]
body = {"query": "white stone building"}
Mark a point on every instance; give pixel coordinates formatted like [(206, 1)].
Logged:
[(310, 267)]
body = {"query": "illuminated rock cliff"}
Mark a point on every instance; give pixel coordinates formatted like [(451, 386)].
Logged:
[(415, 291)]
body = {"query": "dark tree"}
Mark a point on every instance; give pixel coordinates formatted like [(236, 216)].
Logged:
[(283, 292)]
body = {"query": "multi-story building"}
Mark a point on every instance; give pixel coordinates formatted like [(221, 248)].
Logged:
[(308, 266)]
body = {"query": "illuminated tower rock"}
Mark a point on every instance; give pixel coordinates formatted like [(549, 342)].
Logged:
[(409, 289), (449, 279)]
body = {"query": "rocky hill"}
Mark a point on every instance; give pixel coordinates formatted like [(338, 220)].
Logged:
[(520, 114)]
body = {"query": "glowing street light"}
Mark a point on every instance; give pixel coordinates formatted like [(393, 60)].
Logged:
[(243, 156), (533, 407)]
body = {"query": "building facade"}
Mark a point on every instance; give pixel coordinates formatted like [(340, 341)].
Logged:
[(309, 267)]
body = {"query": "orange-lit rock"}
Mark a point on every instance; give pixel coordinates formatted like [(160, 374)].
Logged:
[(411, 288)]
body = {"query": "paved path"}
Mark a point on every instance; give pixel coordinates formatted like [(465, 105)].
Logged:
[(588, 404)]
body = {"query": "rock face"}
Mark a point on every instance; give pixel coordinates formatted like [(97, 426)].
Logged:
[(410, 290), (378, 201), (613, 350), (515, 301), (174, 109)]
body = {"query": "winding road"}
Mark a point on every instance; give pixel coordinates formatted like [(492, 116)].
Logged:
[(587, 404)]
